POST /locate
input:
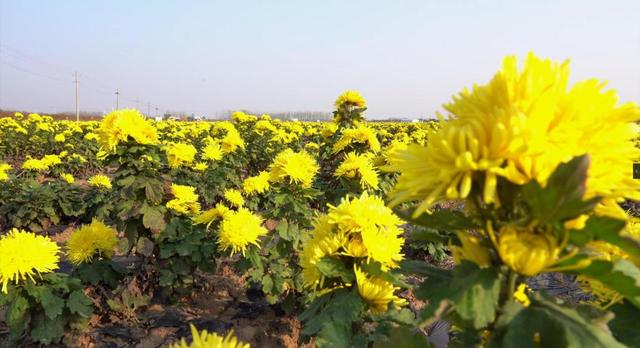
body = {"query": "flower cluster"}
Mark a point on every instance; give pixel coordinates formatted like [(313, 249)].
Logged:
[(91, 240), (357, 232)]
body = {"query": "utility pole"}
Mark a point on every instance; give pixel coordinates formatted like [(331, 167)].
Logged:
[(77, 97), (117, 99), (156, 111), (148, 109)]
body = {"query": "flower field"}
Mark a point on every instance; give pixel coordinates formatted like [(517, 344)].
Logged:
[(359, 233)]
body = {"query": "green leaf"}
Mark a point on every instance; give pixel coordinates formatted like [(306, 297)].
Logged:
[(16, 316), (333, 268), (267, 284), (624, 325), (435, 274), (621, 276), (283, 229), (52, 304), (548, 324), (334, 334), (80, 304), (442, 220), (153, 217), (430, 235), (472, 292), (47, 331), (561, 198), (478, 293)]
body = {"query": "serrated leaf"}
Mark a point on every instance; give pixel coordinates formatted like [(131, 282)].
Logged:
[(80, 304), (547, 324), (267, 284), (478, 294), (334, 334), (153, 217), (47, 331), (561, 198), (52, 304), (16, 316), (333, 268), (283, 228)]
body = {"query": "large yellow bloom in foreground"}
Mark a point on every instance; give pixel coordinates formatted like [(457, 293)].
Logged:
[(520, 126), (239, 229), (294, 167), (23, 255), (120, 125), (89, 240), (205, 339)]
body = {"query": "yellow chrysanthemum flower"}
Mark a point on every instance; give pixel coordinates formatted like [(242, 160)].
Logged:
[(359, 135), (351, 98), (200, 166), (35, 164), (59, 138), (239, 229), (23, 255), (207, 216), (258, 183), (360, 228), (263, 126), (120, 125), (361, 166), (212, 152), (185, 201), (100, 181), (232, 141), (294, 167), (376, 291), (520, 126), (180, 154), (3, 171), (205, 339), (323, 242), (68, 178), (234, 197), (525, 251), (91, 240)]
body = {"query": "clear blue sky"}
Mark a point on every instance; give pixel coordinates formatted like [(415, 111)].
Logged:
[(406, 57)]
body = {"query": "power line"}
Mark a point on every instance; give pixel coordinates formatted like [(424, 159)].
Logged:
[(32, 72)]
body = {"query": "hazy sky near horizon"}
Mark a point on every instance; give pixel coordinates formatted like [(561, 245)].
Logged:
[(406, 57)]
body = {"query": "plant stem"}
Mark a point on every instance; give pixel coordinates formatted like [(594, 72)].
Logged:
[(512, 278)]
